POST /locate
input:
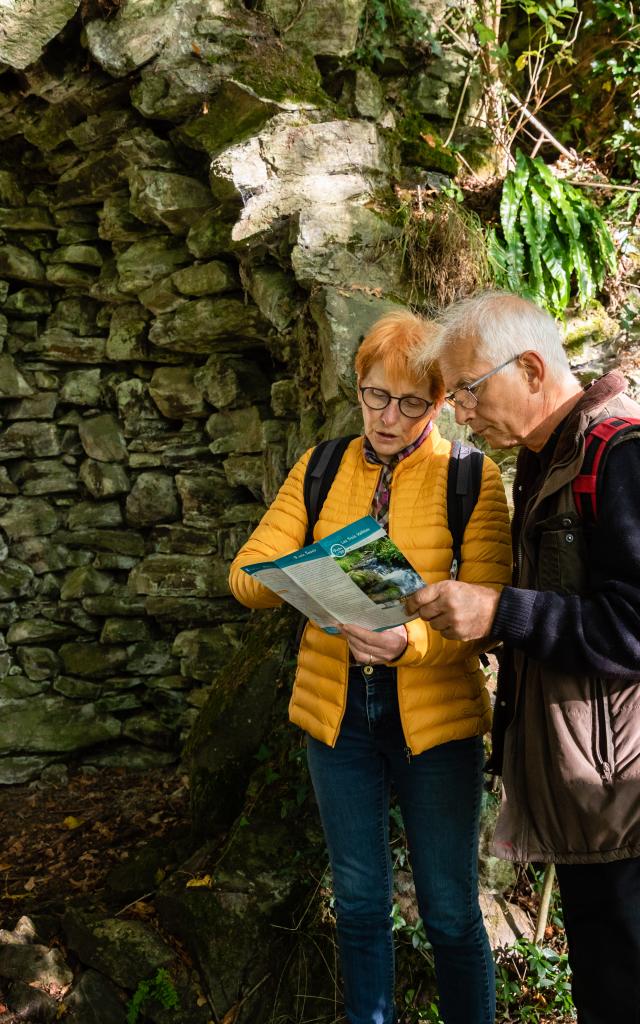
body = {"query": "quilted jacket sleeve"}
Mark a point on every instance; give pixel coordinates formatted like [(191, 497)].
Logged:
[(486, 560), (281, 530)]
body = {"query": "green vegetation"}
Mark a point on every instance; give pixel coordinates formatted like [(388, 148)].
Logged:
[(443, 248), (159, 989), (555, 242), (395, 20), (533, 983)]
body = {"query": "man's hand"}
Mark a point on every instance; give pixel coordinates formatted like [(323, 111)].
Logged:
[(460, 611), (371, 648)]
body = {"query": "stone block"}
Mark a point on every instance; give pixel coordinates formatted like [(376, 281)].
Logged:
[(30, 439), (127, 334), (92, 660), (40, 407), (150, 260), (28, 302), (81, 387), (62, 346), (86, 514), (82, 582), (28, 517), (327, 27), (229, 380), (203, 496), (173, 200), (17, 264), (153, 499), (180, 576), (235, 430), (200, 325), (103, 479), (52, 725), (102, 439), (45, 477), (12, 383), (124, 630), (245, 471), (210, 278), (38, 663), (28, 630), (174, 392)]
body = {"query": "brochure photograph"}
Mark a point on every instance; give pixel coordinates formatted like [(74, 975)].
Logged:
[(355, 576)]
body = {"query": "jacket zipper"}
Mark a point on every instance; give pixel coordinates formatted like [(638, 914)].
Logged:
[(602, 744), (407, 749)]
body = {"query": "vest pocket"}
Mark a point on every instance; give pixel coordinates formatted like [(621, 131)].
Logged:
[(561, 554)]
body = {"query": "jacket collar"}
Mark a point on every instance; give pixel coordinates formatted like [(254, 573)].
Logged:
[(423, 451), (594, 398), (569, 450)]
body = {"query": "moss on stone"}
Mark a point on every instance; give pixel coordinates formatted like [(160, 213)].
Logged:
[(422, 146)]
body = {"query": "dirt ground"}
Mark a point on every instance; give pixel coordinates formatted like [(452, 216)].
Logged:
[(59, 842)]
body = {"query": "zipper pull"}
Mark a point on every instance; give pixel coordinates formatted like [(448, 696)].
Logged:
[(606, 772), (407, 753), (453, 571)]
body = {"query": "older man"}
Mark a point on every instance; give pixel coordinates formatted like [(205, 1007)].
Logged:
[(567, 717)]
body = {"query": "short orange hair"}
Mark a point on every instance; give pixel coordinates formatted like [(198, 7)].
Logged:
[(395, 340)]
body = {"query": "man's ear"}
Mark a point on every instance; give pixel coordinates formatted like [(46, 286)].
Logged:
[(534, 368)]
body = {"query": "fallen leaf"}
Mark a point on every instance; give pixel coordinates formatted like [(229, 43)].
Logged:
[(231, 1015), (196, 49), (70, 822), (30, 884), (142, 908), (205, 881), (5, 867)]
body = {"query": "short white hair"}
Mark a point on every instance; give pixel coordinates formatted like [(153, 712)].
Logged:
[(500, 325)]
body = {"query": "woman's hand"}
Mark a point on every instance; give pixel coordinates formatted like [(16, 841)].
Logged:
[(372, 648)]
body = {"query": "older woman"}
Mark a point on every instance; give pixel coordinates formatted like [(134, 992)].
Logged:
[(404, 706)]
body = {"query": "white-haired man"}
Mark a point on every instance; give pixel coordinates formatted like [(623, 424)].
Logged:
[(567, 715)]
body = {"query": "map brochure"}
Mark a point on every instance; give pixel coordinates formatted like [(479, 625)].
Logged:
[(354, 576)]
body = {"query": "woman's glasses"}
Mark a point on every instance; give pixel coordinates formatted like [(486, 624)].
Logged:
[(409, 405)]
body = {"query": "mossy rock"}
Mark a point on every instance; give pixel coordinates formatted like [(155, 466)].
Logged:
[(422, 146)]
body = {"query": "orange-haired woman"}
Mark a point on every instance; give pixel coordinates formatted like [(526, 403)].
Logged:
[(403, 707)]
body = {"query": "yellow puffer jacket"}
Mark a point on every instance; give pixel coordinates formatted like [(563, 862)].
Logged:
[(441, 689)]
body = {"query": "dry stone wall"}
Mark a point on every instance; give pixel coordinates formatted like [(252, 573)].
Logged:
[(190, 250)]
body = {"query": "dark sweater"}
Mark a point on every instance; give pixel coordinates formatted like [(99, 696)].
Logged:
[(598, 634)]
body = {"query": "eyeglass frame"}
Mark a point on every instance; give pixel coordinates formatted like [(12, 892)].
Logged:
[(397, 398), (450, 398)]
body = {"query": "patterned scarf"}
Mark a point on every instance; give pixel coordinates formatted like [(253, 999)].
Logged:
[(382, 496)]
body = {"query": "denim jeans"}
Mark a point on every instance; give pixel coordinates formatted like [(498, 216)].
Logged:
[(439, 792)]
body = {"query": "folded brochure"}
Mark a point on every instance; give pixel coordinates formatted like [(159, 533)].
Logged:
[(354, 576)]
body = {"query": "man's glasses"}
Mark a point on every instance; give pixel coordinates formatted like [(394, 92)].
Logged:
[(465, 397), (409, 405)]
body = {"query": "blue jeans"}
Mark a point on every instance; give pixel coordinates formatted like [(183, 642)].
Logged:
[(439, 793)]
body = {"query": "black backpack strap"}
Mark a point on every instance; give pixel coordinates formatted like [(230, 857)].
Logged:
[(320, 473), (464, 480)]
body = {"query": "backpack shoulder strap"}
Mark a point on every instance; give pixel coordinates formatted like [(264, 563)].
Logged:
[(464, 480), (598, 442), (320, 474)]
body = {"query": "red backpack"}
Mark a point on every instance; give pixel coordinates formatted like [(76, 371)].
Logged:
[(585, 485)]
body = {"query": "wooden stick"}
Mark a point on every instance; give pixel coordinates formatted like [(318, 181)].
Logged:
[(545, 902), (541, 128)]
